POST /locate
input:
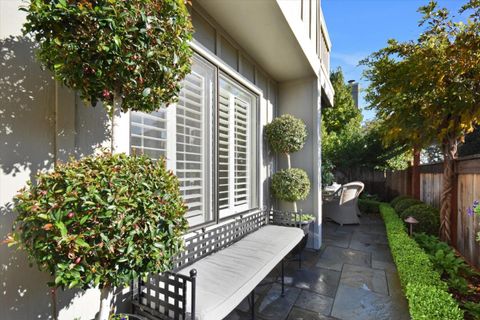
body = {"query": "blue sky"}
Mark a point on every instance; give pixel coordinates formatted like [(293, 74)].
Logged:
[(360, 27)]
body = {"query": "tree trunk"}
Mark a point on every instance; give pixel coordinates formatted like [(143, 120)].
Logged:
[(450, 154), (114, 116), (416, 174), (289, 164), (106, 295)]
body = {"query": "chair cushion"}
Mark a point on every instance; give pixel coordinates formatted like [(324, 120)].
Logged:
[(226, 277)]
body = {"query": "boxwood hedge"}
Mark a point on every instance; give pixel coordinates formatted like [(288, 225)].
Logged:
[(426, 293), (368, 206), (395, 200), (427, 216), (404, 204)]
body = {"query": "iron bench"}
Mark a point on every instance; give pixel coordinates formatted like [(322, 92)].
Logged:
[(219, 267)]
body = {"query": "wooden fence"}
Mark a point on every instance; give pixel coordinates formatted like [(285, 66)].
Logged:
[(467, 173)]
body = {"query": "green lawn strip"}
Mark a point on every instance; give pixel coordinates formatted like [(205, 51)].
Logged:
[(426, 293)]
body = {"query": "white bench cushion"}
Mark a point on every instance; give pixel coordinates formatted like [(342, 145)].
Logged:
[(226, 277)]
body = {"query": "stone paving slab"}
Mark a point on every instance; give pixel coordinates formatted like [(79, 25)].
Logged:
[(382, 265), (334, 258), (274, 306), (360, 304), (302, 314), (338, 239), (319, 280), (365, 278), (314, 302)]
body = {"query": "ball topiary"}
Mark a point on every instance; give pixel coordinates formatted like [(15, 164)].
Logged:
[(395, 200), (101, 221), (427, 216), (286, 134), (290, 184), (136, 50), (404, 204)]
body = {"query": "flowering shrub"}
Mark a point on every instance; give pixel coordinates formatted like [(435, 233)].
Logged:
[(286, 134), (136, 49), (474, 209), (290, 184), (102, 220)]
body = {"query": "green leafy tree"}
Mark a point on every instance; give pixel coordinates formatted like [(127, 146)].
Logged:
[(101, 221), (427, 91), (344, 114), (347, 144), (341, 127), (132, 54)]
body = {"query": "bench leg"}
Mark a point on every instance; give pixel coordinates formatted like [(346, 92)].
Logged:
[(283, 280), (252, 305)]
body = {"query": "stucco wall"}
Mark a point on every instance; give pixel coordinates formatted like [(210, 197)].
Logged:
[(40, 122), (300, 98)]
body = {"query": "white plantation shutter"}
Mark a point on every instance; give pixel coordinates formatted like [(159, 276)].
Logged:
[(241, 146), (191, 144), (236, 149), (224, 138)]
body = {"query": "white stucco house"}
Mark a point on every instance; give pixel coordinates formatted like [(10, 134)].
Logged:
[(253, 60)]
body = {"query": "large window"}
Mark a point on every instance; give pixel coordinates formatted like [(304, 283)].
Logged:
[(237, 164), (184, 134)]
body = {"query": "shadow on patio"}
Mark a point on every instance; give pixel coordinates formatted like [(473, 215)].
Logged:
[(352, 277)]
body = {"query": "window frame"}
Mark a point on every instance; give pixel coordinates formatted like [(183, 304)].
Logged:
[(222, 68), (256, 142)]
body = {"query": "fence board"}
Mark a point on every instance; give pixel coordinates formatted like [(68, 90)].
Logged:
[(389, 184), (468, 226)]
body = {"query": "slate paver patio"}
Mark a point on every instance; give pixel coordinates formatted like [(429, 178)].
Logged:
[(351, 278)]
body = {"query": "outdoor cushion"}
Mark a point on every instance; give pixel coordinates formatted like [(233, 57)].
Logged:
[(226, 277)]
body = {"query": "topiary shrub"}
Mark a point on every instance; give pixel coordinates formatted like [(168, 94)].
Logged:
[(427, 216), (286, 134), (101, 221), (395, 200), (135, 51), (404, 204), (290, 184)]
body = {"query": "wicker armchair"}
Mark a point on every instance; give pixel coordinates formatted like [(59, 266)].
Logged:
[(343, 208)]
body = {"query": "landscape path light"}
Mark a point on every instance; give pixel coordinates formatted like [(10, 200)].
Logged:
[(410, 221)]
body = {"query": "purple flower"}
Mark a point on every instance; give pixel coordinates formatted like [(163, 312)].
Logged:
[(475, 204), (470, 211)]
